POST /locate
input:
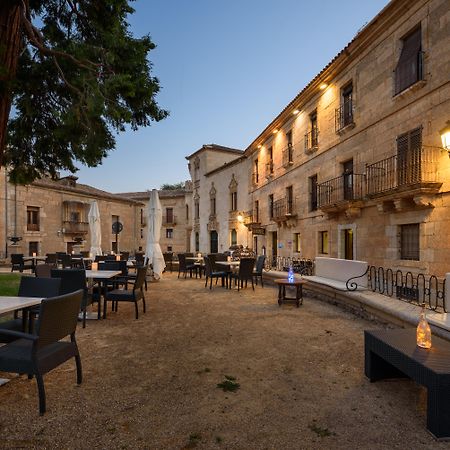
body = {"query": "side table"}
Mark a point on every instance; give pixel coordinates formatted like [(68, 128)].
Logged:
[(297, 284)]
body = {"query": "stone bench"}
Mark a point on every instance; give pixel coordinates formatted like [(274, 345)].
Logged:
[(335, 273)]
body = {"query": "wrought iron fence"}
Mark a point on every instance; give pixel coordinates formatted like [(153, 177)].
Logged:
[(282, 263), (288, 155), (312, 139), (344, 115), (405, 169), (283, 207), (339, 189), (413, 288)]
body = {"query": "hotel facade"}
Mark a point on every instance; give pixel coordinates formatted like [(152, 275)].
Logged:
[(354, 166)]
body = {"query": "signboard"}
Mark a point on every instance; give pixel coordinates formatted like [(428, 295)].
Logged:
[(258, 231)]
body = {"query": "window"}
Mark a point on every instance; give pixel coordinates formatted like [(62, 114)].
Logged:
[(169, 233), (32, 218), (213, 206), (255, 172), (289, 200), (142, 233), (187, 212), (314, 129), (197, 242), (409, 66), (233, 197), (233, 237), (271, 206), (256, 212), (323, 242), (410, 241), (33, 247), (142, 217), (75, 217), (313, 193), (169, 215), (169, 248), (269, 164), (347, 105), (290, 148), (197, 209), (348, 180), (296, 243)]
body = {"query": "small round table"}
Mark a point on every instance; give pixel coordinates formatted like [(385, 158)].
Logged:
[(282, 283)]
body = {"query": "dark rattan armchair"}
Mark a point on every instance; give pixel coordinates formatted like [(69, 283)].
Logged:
[(37, 354), (211, 272), (245, 273), (258, 272)]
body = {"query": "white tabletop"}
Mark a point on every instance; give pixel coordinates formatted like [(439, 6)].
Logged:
[(37, 258), (228, 263), (102, 273), (8, 304)]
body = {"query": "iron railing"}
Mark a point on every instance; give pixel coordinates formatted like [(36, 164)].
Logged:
[(169, 220), (408, 73), (312, 139), (344, 115), (255, 178), (404, 169), (283, 208), (288, 155), (343, 188), (251, 217), (269, 169), (70, 227), (413, 288)]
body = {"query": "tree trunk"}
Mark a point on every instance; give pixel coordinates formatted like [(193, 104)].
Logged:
[(10, 44)]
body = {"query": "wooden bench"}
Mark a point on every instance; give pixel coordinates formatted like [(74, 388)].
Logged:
[(394, 354), (335, 273)]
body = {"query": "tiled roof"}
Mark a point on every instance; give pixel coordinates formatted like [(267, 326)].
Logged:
[(145, 195), (216, 147), (81, 189)]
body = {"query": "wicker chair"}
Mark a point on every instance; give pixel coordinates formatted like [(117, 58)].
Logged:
[(31, 287), (128, 295), (17, 263), (258, 272), (211, 273), (37, 354), (245, 273), (74, 280), (183, 267), (43, 270)]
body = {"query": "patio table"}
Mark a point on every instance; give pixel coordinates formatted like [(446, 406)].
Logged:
[(102, 276)]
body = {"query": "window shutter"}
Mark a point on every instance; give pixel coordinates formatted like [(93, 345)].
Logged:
[(408, 67)]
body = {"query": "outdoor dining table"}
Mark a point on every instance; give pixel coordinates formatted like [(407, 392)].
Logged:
[(200, 262), (34, 259), (102, 276)]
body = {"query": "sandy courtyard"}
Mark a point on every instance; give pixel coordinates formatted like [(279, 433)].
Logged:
[(152, 383)]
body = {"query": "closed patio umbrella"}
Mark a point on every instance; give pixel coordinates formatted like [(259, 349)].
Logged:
[(95, 230), (153, 250)]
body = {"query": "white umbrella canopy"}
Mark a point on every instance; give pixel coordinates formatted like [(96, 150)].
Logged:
[(95, 230), (153, 250)]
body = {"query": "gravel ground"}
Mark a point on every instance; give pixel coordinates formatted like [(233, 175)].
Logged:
[(152, 383)]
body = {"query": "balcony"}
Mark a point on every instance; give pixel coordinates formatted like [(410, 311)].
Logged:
[(341, 193), (169, 221), (251, 219), (72, 227), (288, 155), (255, 178), (312, 140), (344, 116), (283, 209), (412, 174)]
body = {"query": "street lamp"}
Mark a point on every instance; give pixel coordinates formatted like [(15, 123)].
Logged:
[(445, 137)]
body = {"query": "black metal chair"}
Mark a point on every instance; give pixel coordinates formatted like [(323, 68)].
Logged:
[(31, 287), (211, 273), (51, 258), (168, 259), (18, 263), (258, 272), (73, 280), (65, 260), (37, 354), (245, 273), (128, 295)]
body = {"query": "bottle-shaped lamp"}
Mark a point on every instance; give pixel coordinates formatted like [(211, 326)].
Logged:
[(291, 275), (423, 333)]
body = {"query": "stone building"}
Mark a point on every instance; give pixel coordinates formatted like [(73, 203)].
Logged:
[(353, 167), (49, 216), (220, 198), (176, 226)]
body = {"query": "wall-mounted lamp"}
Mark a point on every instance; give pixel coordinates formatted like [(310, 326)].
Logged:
[(445, 137), (240, 218), (275, 131), (323, 86), (295, 112)]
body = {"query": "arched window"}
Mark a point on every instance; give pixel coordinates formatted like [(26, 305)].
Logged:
[(233, 237)]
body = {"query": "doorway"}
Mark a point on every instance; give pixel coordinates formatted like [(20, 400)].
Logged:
[(214, 241)]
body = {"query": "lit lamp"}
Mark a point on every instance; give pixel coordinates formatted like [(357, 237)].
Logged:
[(290, 275), (445, 137), (240, 218), (94, 266), (117, 257), (34, 254), (423, 333)]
